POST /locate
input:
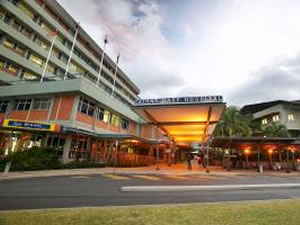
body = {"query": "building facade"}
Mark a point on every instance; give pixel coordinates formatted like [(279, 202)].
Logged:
[(282, 112), (58, 89)]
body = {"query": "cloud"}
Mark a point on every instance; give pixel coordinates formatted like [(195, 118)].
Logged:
[(244, 50), (134, 28), (277, 81)]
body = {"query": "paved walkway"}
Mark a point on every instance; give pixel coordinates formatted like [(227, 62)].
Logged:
[(177, 169)]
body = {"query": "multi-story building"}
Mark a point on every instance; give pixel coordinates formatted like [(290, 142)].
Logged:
[(56, 92), (282, 112)]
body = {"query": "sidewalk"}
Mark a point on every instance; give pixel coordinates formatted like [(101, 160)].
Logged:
[(177, 169)]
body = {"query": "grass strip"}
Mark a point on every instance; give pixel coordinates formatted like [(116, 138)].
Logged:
[(284, 212)]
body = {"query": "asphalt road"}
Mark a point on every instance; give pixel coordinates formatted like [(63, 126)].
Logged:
[(90, 191)]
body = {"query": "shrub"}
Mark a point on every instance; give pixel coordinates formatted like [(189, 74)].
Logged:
[(34, 159)]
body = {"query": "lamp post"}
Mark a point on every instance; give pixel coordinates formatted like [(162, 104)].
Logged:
[(207, 154), (287, 161), (247, 152), (157, 149), (270, 151)]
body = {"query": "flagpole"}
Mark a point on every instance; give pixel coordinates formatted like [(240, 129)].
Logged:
[(48, 58), (71, 53), (102, 58), (115, 75)]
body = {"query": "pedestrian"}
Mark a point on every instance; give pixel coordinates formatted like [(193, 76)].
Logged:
[(199, 160), (189, 161)]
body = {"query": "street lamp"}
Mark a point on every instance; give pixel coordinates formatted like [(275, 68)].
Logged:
[(270, 151), (247, 152), (287, 161)]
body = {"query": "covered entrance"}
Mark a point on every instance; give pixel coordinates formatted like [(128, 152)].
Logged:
[(186, 121)]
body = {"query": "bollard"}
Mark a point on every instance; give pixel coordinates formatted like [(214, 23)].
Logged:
[(7, 167)]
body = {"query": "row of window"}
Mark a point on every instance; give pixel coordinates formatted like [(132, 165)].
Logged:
[(9, 67), (25, 104), (14, 69), (85, 107), (89, 108), (276, 118), (30, 13)]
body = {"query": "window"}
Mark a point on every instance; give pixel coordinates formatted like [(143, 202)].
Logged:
[(10, 44), (50, 68), (4, 106), (41, 103), (76, 67), (100, 113), (22, 104), (7, 18), (91, 109), (11, 68), (86, 107), (36, 60), (275, 118), (264, 121), (125, 124), (15, 2), (46, 27), (115, 120), (106, 116), (26, 10), (25, 75), (2, 14), (8, 67), (41, 43), (291, 117), (2, 63), (17, 25)]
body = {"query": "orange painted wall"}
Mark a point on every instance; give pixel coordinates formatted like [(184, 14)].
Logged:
[(101, 124), (84, 118), (147, 131), (63, 110), (114, 129), (20, 115), (54, 108), (66, 106), (132, 128), (38, 115), (2, 115)]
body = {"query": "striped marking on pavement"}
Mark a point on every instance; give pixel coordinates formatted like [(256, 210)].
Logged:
[(116, 177), (80, 177), (146, 177), (179, 177), (200, 177)]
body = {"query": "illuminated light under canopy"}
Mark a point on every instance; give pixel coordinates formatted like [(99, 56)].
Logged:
[(189, 139), (183, 119)]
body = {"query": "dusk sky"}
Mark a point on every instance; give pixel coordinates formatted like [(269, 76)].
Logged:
[(246, 50)]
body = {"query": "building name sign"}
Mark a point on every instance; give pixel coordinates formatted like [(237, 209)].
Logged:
[(28, 125), (180, 100)]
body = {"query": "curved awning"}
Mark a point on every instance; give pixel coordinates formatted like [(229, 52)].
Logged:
[(183, 119)]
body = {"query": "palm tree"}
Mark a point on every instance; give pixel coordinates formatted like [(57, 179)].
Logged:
[(233, 124), (276, 130)]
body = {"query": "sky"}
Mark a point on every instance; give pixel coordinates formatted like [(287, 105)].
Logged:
[(246, 50)]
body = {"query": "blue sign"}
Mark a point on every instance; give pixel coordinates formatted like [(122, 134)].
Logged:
[(180, 100), (30, 125)]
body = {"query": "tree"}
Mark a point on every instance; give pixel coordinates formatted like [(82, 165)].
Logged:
[(276, 130), (233, 124)]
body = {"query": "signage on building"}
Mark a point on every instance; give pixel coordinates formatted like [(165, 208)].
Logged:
[(180, 100), (28, 125)]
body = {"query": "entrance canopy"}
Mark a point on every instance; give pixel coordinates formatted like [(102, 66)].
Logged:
[(183, 119)]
